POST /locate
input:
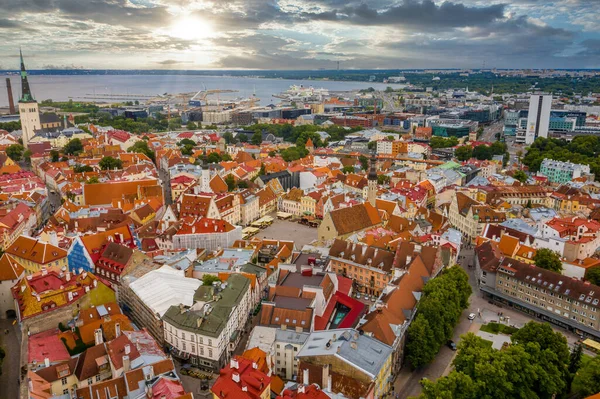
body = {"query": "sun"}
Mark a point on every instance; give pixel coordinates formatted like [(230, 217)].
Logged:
[(188, 28)]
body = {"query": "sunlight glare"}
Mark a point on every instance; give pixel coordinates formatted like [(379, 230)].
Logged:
[(191, 29)]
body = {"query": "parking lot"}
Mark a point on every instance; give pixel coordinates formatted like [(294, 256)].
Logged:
[(291, 231)]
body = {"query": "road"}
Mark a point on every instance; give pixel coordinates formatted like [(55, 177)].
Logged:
[(9, 380), (407, 383), (489, 132)]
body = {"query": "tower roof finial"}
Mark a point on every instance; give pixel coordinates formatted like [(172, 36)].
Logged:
[(26, 96)]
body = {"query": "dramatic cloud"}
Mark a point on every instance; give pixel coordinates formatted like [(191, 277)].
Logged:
[(302, 34)]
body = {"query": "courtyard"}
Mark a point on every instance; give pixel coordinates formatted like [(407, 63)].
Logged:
[(290, 231)]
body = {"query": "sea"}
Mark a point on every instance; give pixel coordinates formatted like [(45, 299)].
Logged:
[(84, 87)]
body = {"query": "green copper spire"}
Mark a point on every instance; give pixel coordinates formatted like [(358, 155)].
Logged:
[(26, 96)]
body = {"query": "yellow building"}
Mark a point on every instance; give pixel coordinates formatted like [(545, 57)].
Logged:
[(34, 255)]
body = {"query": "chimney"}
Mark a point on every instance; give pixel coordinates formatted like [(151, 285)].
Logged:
[(117, 330), (127, 349), (254, 365), (30, 384), (11, 101), (305, 375), (301, 389), (126, 363), (325, 373), (235, 377), (199, 322), (47, 362), (68, 276), (98, 337), (233, 363)]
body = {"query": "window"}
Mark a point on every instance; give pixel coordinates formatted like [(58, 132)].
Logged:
[(65, 391), (64, 381), (90, 381), (98, 378)]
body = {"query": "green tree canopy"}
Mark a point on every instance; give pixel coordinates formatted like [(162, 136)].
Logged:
[(186, 142), (442, 302), (15, 152), (463, 153), (520, 176), (93, 180), (482, 152), (229, 139), (587, 379), (141, 147), (209, 279), (348, 169), (442, 142), (82, 168), (256, 138), (109, 163), (230, 180), (213, 157), (593, 275), (54, 156), (73, 147), (364, 162), (548, 259)]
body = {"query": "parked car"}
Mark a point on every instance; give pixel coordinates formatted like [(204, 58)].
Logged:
[(472, 316), (452, 345)]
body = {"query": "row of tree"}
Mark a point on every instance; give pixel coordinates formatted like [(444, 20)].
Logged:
[(536, 365), (442, 302), (481, 152)]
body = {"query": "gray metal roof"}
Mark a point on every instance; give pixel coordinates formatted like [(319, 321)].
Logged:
[(363, 352)]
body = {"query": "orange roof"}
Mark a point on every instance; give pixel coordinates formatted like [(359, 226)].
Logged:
[(36, 251), (258, 356), (105, 193), (9, 268)]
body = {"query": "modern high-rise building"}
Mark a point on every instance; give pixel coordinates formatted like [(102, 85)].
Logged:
[(28, 108), (538, 119)]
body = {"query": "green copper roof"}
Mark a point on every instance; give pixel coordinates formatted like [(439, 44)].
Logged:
[(26, 96)]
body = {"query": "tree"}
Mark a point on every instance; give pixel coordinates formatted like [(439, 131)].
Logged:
[(242, 184), (15, 152), (73, 147), (574, 363), (54, 156), (372, 145), (191, 126), (479, 131), (256, 138), (229, 139), (82, 168), (226, 157), (27, 156), (213, 157), (262, 170), (209, 279), (230, 180), (520, 176), (441, 142), (587, 379), (593, 275), (463, 153), (142, 148), (187, 149), (93, 180), (364, 162), (348, 169), (383, 179), (442, 302), (454, 386), (186, 142), (109, 163), (482, 152), (272, 154), (548, 259)]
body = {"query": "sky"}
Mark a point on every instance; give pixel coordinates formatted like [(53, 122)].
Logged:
[(300, 34)]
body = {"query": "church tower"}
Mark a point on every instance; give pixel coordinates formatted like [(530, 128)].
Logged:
[(28, 108), (372, 184)]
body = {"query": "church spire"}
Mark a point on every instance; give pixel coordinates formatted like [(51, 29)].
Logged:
[(26, 96), (373, 169)]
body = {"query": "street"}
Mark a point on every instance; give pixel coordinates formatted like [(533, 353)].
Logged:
[(407, 382), (9, 380), (489, 132)]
